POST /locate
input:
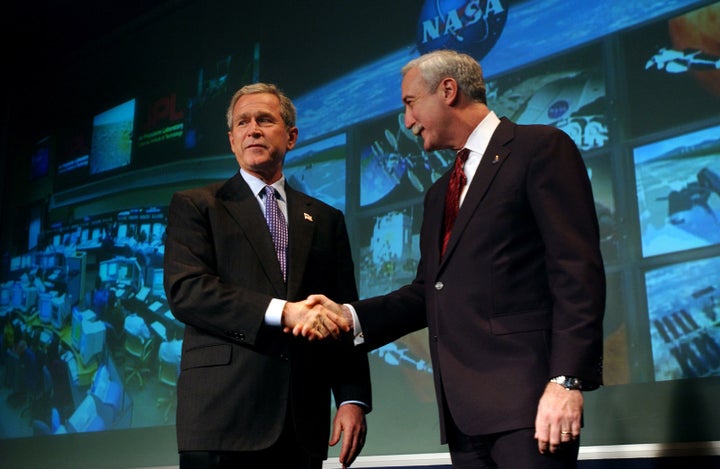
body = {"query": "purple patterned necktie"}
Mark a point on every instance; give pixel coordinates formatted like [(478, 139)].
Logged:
[(278, 227), (452, 198)]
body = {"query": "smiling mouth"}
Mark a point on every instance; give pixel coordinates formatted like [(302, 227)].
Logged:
[(416, 129)]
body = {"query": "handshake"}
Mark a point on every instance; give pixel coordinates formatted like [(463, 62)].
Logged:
[(316, 317)]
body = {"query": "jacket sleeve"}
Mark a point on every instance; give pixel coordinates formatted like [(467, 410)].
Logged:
[(561, 199)]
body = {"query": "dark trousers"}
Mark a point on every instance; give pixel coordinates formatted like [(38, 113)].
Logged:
[(285, 453), (248, 459), (517, 449)]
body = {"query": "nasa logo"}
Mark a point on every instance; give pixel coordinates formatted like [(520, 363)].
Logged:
[(558, 109), (472, 27)]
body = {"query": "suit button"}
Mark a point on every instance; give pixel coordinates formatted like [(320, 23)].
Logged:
[(239, 336), (439, 286)]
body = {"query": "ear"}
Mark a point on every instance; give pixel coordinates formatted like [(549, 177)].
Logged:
[(292, 138), (449, 89), (231, 139)]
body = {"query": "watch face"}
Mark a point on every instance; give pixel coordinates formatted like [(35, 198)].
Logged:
[(572, 383), (568, 382)]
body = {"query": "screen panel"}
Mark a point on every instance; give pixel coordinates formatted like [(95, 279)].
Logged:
[(356, 155), (111, 145), (678, 192)]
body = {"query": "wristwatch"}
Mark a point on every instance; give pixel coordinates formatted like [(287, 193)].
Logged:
[(568, 382)]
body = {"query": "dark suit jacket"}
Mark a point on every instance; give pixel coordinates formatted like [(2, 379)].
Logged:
[(238, 375), (519, 296)]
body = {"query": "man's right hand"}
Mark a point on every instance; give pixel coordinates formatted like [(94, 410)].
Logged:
[(317, 317)]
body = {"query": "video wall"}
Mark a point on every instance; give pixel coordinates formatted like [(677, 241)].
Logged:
[(91, 350)]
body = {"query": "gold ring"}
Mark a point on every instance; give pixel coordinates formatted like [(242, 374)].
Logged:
[(564, 433)]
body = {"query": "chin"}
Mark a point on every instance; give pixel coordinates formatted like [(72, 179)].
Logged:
[(428, 146)]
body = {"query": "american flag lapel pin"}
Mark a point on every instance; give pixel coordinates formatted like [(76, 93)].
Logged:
[(307, 216)]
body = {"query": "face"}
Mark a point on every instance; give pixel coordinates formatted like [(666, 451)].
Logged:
[(424, 110), (259, 138)]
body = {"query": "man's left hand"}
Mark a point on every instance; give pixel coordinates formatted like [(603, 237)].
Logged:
[(558, 417), (350, 421)]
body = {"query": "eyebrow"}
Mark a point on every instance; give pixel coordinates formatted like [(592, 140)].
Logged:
[(246, 115)]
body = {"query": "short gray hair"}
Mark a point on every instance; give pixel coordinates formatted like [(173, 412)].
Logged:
[(464, 69)]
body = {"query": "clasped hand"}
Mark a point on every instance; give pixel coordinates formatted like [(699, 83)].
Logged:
[(316, 317)]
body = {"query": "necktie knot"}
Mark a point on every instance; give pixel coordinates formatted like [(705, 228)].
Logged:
[(463, 155)]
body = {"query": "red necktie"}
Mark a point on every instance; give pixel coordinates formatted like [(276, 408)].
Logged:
[(452, 198)]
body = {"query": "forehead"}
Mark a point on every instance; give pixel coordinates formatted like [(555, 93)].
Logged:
[(257, 102)]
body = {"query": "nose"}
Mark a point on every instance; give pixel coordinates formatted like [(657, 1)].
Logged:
[(409, 120), (253, 130)]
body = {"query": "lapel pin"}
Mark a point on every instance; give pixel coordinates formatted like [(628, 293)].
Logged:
[(307, 216), (496, 160)]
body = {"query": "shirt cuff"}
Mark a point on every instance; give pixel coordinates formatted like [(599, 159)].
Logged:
[(273, 313), (360, 403), (357, 328)]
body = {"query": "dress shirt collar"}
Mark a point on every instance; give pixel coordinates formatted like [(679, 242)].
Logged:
[(478, 143), (256, 184), (480, 137)]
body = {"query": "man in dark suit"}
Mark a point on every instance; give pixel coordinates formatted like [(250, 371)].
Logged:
[(515, 304), (250, 395)]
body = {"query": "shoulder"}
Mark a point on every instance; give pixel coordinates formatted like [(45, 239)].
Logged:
[(540, 131), (200, 197), (302, 199), (534, 138), (199, 192)]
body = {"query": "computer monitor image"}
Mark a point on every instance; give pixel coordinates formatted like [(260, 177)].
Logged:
[(75, 274), (5, 294), (15, 263), (155, 281), (49, 260), (121, 272), (111, 146), (78, 316), (30, 298), (60, 312), (678, 192), (92, 339), (45, 307), (683, 311)]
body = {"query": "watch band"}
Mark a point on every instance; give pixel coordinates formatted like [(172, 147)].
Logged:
[(570, 383)]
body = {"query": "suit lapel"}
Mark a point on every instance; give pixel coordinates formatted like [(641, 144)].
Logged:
[(495, 155), (433, 217), (301, 226), (243, 207)]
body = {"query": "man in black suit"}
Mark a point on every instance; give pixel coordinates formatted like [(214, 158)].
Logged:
[(250, 395), (515, 304)]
